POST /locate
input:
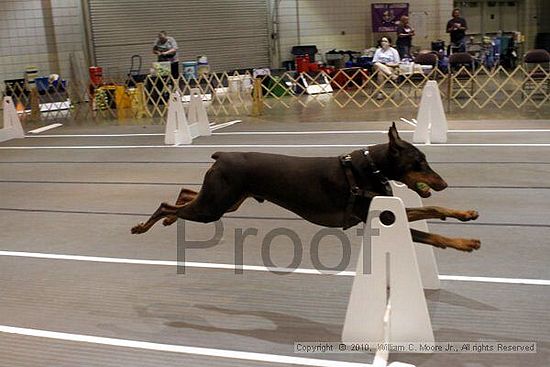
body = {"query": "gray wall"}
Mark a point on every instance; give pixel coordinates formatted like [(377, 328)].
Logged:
[(40, 33), (543, 16), (346, 24), (43, 33)]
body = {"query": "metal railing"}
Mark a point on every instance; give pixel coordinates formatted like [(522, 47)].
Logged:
[(236, 94)]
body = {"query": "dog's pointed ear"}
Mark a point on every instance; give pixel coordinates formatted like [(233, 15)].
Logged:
[(392, 132), (394, 139)]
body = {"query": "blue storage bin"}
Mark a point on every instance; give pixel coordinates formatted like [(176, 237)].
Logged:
[(42, 83)]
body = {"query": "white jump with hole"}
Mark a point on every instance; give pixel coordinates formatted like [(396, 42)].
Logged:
[(387, 303), (182, 128), (12, 128)]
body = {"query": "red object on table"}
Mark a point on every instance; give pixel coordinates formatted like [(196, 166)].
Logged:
[(314, 67), (302, 63), (348, 78), (96, 75)]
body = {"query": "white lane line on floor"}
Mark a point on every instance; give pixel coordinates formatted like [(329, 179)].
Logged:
[(214, 127), (45, 128), (224, 125), (40, 255), (283, 146), (332, 132), (316, 132), (413, 124), (104, 135), (495, 280), (93, 135), (201, 351)]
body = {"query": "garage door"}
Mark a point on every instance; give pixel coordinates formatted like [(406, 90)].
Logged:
[(232, 34)]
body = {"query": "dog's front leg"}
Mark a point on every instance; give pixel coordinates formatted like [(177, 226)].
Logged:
[(164, 210), (437, 212), (462, 244)]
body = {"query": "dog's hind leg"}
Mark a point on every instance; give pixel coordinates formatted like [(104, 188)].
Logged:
[(205, 209), (462, 244), (196, 210), (437, 212), (187, 198), (219, 193), (164, 210), (184, 197)]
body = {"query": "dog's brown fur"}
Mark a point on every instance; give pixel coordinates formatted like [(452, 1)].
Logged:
[(316, 189)]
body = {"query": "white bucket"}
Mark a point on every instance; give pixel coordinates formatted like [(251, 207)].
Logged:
[(202, 66), (406, 68), (234, 84), (246, 83)]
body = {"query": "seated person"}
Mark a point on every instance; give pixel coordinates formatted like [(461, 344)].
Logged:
[(386, 58)]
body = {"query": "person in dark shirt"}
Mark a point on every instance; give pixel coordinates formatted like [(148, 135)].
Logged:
[(457, 28), (405, 34)]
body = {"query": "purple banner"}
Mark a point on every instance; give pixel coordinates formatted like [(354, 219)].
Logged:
[(386, 16)]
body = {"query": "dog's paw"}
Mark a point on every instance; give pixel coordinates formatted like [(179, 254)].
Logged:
[(469, 215), (468, 245), (140, 228)]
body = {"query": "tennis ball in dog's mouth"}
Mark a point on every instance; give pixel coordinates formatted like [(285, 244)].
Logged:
[(422, 186)]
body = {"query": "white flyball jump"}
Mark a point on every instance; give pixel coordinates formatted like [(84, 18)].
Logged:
[(431, 124), (424, 254), (12, 125), (387, 303), (182, 128)]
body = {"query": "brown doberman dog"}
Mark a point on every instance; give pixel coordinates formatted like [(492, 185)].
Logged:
[(328, 191)]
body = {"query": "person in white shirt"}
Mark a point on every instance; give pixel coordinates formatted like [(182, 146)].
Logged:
[(386, 59)]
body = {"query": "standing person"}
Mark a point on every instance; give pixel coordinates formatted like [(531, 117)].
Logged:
[(405, 34), (165, 47), (386, 59), (457, 28)]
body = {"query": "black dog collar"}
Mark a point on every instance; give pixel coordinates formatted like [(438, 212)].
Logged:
[(376, 173), (355, 190)]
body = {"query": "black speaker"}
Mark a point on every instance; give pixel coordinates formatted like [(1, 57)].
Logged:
[(542, 41)]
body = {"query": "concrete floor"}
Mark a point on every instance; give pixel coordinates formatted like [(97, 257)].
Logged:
[(79, 195)]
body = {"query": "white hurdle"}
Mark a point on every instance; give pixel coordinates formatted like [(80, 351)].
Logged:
[(387, 303), (432, 122), (12, 125), (424, 254), (182, 129), (196, 116)]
